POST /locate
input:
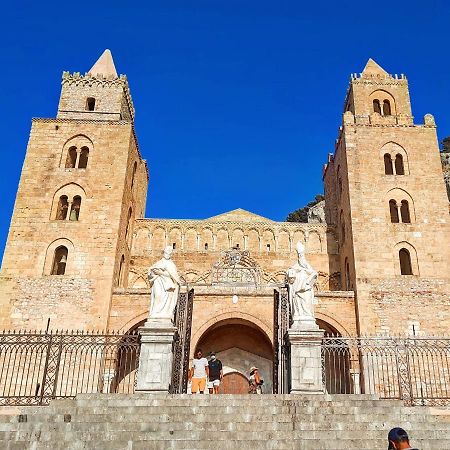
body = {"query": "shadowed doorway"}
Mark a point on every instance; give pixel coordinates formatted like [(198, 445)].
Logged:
[(240, 345)]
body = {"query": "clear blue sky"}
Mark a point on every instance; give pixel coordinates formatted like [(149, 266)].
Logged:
[(237, 102)]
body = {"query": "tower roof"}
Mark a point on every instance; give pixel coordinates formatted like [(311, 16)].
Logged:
[(104, 65), (373, 69)]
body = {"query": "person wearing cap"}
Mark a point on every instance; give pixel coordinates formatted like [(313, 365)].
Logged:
[(255, 381), (215, 374), (398, 440)]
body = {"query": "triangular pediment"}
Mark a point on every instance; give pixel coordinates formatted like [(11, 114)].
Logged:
[(239, 215), (373, 69)]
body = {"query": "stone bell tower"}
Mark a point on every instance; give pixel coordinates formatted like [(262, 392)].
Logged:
[(386, 196), (82, 186)]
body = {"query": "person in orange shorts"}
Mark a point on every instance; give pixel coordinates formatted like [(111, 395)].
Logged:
[(199, 372)]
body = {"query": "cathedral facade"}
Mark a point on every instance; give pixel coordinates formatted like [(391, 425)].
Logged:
[(79, 246)]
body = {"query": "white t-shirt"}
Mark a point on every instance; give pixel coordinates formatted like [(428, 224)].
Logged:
[(199, 367)]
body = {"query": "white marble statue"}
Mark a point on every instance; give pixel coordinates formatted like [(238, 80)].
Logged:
[(165, 286), (301, 278)]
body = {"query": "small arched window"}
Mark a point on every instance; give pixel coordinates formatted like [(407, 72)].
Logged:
[(347, 275), (84, 156), (134, 174), (405, 262), (399, 167), (130, 212), (121, 271), (71, 159), (404, 212), (63, 206), (376, 106), (386, 108), (341, 220), (388, 168), (206, 246), (75, 210), (393, 210), (90, 104), (59, 261)]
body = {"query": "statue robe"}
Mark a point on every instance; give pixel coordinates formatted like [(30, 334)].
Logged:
[(164, 283), (301, 294)]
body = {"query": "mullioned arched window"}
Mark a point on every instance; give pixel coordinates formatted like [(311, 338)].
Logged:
[(76, 152)]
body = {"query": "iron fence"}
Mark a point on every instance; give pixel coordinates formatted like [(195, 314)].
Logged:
[(415, 370), (37, 367)]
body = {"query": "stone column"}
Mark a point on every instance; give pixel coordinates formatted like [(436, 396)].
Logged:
[(354, 373), (306, 358), (108, 377), (155, 360)]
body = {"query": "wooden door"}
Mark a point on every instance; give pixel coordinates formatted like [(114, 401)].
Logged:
[(234, 383)]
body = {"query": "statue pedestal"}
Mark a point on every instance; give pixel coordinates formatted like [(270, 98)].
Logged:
[(306, 358), (155, 360)]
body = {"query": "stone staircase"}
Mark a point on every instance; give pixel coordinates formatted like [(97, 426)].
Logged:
[(142, 421)]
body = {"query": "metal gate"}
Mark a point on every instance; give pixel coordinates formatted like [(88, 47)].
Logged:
[(182, 342), (281, 323)]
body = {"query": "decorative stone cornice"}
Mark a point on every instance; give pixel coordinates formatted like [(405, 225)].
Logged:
[(216, 224), (86, 121)]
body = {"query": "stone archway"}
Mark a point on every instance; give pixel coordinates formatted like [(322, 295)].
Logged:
[(239, 344), (127, 360), (336, 360)]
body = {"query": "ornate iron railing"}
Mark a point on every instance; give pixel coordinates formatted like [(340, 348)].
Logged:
[(281, 360), (182, 343), (415, 370), (37, 367)]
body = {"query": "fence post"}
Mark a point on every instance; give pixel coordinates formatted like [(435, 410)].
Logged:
[(44, 376), (51, 369)]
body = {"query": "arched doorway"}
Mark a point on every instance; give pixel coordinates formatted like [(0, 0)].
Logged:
[(336, 359), (240, 345), (127, 359), (234, 382)]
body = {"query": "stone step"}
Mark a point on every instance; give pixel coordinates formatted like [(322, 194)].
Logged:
[(135, 429), (353, 444), (218, 426), (120, 399), (286, 444), (143, 421), (186, 403), (63, 434), (182, 416), (267, 409)]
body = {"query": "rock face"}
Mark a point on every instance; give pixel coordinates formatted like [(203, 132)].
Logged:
[(141, 421), (316, 214)]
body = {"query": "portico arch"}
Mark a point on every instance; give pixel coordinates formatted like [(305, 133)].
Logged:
[(228, 315), (240, 344), (338, 361)]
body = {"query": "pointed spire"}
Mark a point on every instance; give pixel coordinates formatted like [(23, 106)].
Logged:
[(104, 65), (373, 69)]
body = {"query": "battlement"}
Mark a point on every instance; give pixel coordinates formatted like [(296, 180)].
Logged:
[(99, 94), (378, 77), (375, 91)]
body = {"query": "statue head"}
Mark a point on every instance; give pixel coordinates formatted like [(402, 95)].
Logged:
[(168, 252), (300, 248)]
